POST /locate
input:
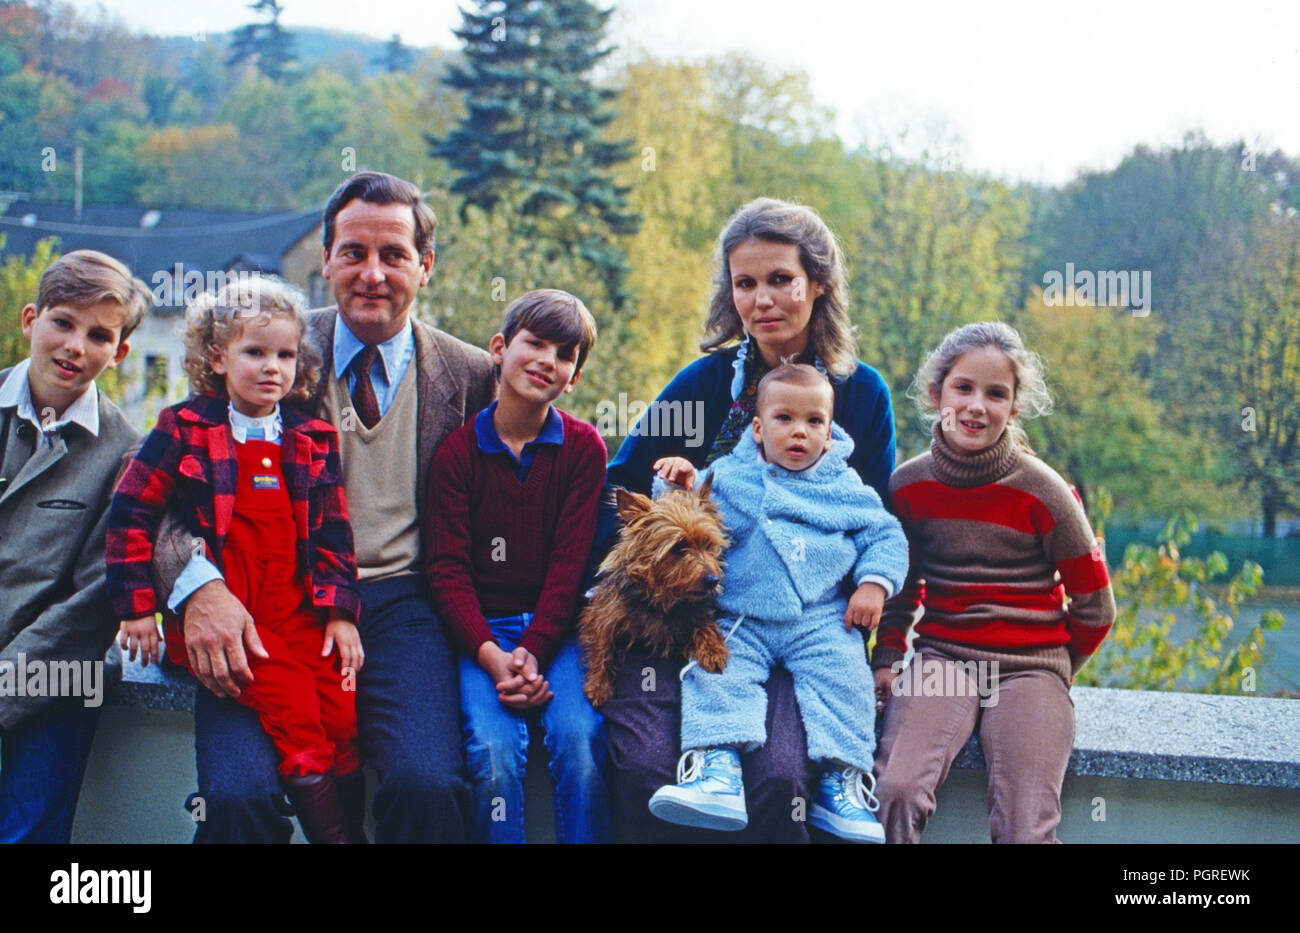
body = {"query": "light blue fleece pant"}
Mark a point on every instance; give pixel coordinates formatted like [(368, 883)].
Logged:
[(832, 683)]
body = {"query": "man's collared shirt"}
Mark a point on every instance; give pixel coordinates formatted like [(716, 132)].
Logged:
[(485, 431), (395, 355), (16, 393)]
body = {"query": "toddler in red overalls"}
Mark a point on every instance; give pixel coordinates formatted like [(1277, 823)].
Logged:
[(259, 486)]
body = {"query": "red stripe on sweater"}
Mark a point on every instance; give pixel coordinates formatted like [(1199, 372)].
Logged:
[(1085, 573), (956, 599), (1084, 639), (995, 504), (997, 634)]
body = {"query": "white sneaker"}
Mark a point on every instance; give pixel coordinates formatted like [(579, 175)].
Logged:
[(709, 793)]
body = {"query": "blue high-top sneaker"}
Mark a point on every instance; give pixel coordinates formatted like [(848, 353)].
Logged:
[(709, 792), (846, 805)]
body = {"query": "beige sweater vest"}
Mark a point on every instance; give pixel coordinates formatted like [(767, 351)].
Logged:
[(379, 479)]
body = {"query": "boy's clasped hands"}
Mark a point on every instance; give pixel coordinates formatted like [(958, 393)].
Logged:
[(519, 684)]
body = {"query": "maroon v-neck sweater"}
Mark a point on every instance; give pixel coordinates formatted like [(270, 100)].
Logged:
[(496, 546)]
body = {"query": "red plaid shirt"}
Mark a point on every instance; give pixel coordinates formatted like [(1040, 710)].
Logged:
[(193, 443)]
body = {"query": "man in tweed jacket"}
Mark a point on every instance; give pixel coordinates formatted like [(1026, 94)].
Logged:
[(394, 388)]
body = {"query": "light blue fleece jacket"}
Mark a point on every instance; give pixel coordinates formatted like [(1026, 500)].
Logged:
[(796, 535)]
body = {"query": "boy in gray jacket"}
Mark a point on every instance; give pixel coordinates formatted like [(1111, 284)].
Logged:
[(62, 444)]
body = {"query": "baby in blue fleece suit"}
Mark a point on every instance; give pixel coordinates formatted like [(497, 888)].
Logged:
[(800, 521)]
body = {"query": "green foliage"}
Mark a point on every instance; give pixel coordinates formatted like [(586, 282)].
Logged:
[(1107, 429), (396, 56), (531, 140), (1259, 291), (20, 281), (1142, 653), (939, 249), (266, 44)]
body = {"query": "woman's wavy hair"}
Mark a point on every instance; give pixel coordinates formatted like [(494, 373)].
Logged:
[(214, 322), (1032, 397), (831, 333)]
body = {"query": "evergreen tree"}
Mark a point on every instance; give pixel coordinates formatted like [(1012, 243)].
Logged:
[(531, 137), (267, 43), (396, 56)]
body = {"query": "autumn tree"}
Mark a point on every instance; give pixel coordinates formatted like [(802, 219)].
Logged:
[(1107, 431), (938, 249), (1262, 286)]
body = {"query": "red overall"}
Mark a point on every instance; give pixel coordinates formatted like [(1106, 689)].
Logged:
[(298, 695)]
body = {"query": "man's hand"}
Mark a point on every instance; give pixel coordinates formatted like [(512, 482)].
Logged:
[(217, 629), (865, 606)]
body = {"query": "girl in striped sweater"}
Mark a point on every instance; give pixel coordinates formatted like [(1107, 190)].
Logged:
[(998, 540)]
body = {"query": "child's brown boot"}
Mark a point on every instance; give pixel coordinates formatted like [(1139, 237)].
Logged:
[(315, 798)]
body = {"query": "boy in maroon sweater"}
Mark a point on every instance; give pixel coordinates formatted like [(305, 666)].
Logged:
[(510, 523)]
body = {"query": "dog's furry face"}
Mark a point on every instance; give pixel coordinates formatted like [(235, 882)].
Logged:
[(671, 547), (657, 587)]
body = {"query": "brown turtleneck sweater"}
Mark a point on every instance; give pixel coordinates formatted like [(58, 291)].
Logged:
[(998, 540)]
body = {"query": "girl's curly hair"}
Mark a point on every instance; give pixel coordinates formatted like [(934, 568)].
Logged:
[(213, 322)]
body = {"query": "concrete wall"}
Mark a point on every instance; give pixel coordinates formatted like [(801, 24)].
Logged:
[(142, 768)]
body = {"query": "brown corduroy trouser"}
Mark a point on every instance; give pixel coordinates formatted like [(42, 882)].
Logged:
[(1026, 733)]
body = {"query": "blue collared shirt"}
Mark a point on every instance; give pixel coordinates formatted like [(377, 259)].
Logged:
[(489, 441), (395, 355)]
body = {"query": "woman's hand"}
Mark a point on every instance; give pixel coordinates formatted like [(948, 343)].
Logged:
[(865, 606), (884, 677), (677, 470)]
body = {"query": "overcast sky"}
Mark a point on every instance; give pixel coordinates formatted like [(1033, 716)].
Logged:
[(1023, 90)]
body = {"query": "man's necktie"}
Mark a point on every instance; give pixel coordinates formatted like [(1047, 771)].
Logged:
[(363, 390)]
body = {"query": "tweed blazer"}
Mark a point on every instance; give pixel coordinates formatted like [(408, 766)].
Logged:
[(190, 458), (454, 382), (53, 516)]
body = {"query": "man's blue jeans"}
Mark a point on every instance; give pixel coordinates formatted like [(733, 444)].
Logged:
[(406, 725), (496, 749), (41, 767)]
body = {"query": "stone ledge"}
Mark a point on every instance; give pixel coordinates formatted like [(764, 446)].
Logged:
[(1139, 734)]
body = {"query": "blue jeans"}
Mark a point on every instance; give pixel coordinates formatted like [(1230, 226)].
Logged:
[(406, 725), (41, 767), (496, 749)]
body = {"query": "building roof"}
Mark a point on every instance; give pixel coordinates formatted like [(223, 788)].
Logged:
[(152, 240)]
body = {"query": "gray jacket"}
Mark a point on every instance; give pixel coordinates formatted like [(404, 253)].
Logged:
[(52, 521)]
